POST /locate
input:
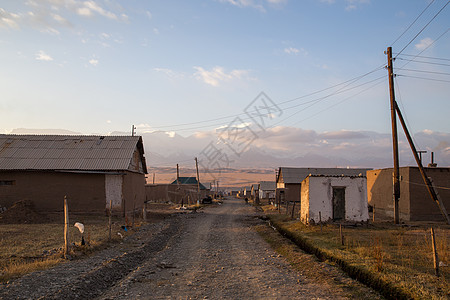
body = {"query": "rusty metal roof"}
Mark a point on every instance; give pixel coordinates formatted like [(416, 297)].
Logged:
[(296, 175), (69, 152)]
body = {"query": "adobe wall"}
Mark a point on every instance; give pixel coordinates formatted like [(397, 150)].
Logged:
[(423, 208), (317, 196), (85, 192), (133, 190)]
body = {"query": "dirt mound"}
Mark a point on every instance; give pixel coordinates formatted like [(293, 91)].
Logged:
[(22, 212)]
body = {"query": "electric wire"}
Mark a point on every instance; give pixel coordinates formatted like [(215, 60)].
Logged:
[(427, 57), (423, 78), (413, 22), (346, 83), (434, 17), (428, 72), (422, 62)]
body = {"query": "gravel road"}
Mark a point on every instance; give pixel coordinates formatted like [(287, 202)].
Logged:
[(211, 254)]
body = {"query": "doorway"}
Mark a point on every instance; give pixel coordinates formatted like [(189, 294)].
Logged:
[(338, 203)]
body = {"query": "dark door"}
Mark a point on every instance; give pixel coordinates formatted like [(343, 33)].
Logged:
[(338, 203)]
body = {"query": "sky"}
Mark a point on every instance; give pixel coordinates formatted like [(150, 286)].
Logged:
[(191, 68)]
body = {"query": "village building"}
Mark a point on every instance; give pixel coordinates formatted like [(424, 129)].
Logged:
[(183, 191), (267, 190), (91, 171), (333, 198), (415, 203), (289, 180)]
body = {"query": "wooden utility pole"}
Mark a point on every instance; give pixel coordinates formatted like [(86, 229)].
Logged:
[(153, 178), (110, 219), (435, 254), (198, 181), (133, 130), (434, 196), (178, 185), (66, 228), (396, 172)]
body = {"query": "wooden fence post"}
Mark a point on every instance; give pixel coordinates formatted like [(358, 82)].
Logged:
[(341, 234), (435, 254), (66, 228), (320, 221), (110, 218), (144, 212)]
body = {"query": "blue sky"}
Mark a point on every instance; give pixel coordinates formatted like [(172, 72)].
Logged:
[(101, 66)]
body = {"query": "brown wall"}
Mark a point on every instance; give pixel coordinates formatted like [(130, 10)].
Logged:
[(85, 192), (415, 204), (133, 190), (423, 208), (170, 193)]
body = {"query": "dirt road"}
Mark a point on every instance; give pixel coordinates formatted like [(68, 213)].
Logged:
[(212, 254)]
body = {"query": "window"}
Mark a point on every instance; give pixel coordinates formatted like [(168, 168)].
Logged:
[(7, 182)]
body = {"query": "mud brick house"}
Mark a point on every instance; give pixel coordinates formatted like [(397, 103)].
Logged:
[(185, 191), (90, 170), (289, 180), (334, 198), (267, 190), (415, 204)]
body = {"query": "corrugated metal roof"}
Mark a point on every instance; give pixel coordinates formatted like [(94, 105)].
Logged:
[(296, 175), (58, 152)]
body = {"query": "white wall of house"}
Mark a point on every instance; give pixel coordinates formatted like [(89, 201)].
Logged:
[(317, 196), (113, 190), (266, 194)]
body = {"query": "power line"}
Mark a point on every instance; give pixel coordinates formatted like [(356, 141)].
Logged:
[(424, 78), (423, 28), (348, 82), (422, 62), (429, 57), (412, 22), (429, 72)]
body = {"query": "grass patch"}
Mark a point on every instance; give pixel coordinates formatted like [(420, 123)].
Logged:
[(25, 248), (397, 261)]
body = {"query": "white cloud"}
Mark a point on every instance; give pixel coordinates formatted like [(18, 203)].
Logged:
[(354, 4), (8, 20), (424, 43), (328, 1), (218, 75), (41, 55), (47, 15), (295, 51), (169, 73), (148, 14), (93, 62), (108, 121), (245, 3)]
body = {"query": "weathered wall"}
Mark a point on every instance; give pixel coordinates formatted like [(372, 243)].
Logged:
[(114, 191), (304, 205), (133, 190), (415, 203), (318, 197), (174, 194), (422, 207), (85, 192)]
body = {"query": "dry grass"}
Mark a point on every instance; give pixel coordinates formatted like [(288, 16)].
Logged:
[(25, 248), (384, 255)]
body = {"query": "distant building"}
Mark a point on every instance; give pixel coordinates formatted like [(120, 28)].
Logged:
[(289, 180), (415, 203), (90, 170), (333, 198), (184, 191), (267, 190)]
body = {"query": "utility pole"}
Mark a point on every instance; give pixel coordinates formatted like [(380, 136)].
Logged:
[(428, 182), (198, 182), (133, 130), (178, 185), (420, 154), (396, 171), (153, 178)]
